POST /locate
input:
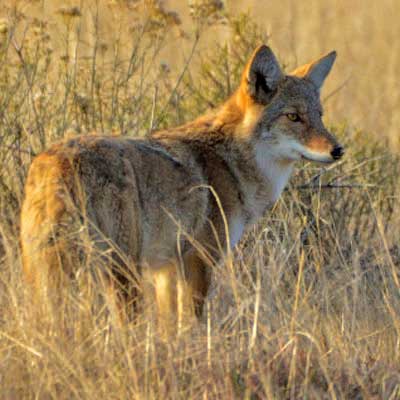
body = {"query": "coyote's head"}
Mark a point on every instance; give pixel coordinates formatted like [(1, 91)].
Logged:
[(283, 113)]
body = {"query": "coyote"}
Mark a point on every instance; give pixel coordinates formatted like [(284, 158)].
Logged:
[(173, 201)]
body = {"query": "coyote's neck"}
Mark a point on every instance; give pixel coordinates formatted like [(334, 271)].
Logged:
[(275, 172)]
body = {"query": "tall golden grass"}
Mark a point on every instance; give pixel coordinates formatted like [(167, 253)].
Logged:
[(310, 307)]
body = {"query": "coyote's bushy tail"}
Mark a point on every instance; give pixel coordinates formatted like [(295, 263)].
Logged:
[(47, 223)]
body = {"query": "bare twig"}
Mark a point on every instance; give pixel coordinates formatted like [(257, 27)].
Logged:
[(337, 90), (336, 186), (30, 82), (153, 109), (186, 66), (17, 148)]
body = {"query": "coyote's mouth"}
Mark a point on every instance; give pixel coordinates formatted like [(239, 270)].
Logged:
[(329, 160), (319, 159)]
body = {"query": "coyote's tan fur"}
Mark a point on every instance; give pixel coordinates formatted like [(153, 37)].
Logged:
[(159, 200)]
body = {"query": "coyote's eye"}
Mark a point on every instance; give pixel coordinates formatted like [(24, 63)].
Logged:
[(293, 117)]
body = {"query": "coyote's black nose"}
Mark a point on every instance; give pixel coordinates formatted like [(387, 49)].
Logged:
[(337, 152)]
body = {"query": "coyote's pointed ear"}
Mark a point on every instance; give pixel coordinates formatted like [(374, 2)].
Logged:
[(262, 74), (318, 70)]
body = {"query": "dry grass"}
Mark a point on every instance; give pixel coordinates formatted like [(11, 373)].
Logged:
[(311, 306)]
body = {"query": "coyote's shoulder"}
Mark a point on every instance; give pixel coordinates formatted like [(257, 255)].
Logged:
[(182, 195)]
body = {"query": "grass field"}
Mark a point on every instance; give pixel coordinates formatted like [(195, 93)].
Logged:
[(310, 307)]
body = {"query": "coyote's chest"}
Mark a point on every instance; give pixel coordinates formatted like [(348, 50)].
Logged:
[(259, 196)]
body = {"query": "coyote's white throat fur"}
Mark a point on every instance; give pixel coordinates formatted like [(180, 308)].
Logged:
[(158, 200)]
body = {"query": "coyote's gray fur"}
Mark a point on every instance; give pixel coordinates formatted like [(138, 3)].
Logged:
[(161, 200)]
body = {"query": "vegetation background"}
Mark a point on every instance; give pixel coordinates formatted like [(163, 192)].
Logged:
[(310, 306)]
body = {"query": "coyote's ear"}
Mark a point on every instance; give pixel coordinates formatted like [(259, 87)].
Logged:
[(262, 74), (318, 70)]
